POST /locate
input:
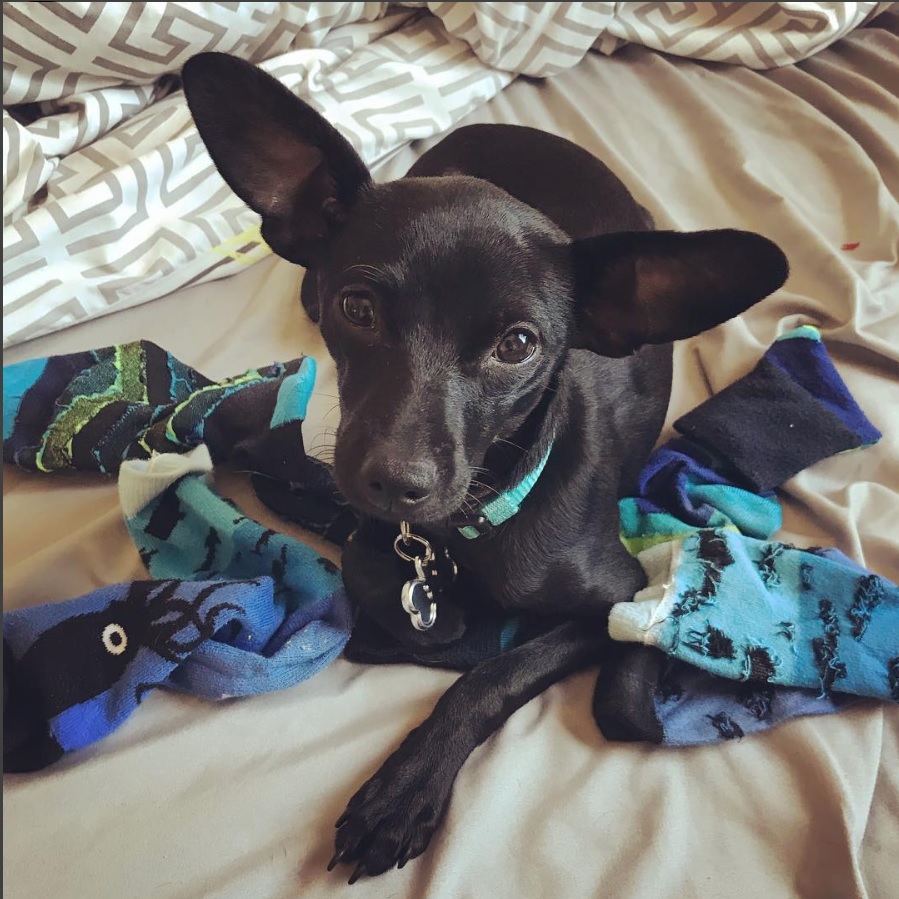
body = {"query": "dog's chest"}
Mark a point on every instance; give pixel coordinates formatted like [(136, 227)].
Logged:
[(539, 561)]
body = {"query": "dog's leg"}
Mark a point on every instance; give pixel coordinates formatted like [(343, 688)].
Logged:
[(393, 816)]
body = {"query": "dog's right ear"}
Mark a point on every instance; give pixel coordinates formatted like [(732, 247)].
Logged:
[(279, 155)]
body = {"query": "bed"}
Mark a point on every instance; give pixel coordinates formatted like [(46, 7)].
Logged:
[(238, 798)]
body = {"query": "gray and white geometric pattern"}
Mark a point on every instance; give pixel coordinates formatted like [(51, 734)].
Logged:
[(110, 199)]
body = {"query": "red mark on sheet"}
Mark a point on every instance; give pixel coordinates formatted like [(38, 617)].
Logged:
[(851, 246)]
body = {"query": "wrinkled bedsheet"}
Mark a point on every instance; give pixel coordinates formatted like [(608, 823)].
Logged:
[(238, 799), (110, 199)]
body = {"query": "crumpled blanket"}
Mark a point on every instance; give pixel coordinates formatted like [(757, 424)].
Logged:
[(110, 199)]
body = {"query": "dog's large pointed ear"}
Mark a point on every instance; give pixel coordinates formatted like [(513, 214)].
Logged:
[(636, 288), (279, 155)]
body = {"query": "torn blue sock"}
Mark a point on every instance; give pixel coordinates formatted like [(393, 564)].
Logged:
[(693, 708)]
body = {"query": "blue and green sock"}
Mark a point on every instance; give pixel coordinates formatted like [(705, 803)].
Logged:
[(792, 410)]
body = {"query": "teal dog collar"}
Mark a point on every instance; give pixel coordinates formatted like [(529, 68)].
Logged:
[(501, 508)]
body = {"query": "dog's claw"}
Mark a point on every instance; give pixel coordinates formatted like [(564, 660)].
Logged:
[(339, 856), (360, 870), (342, 819), (402, 855)]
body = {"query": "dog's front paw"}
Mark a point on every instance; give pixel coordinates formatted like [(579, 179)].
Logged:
[(392, 818)]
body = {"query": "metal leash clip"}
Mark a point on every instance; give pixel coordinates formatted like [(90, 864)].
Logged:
[(417, 596)]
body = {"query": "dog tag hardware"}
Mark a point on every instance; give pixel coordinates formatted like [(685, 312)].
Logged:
[(418, 601), (441, 572), (416, 595), (405, 543), (420, 593)]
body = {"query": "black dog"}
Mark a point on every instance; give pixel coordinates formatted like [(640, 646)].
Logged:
[(507, 305)]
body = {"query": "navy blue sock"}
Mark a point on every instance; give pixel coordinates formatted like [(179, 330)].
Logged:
[(790, 411)]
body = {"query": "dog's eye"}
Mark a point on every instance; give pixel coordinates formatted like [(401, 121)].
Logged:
[(359, 309), (517, 346)]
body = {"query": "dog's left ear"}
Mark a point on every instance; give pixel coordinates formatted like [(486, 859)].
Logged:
[(638, 287), (277, 153)]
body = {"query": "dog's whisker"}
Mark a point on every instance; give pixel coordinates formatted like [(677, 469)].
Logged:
[(510, 443), (323, 446), (329, 412), (486, 487), (364, 269)]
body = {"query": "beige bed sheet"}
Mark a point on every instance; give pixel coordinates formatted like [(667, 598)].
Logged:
[(238, 799)]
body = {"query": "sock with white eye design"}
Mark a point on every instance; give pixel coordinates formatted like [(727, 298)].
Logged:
[(234, 610), (74, 671)]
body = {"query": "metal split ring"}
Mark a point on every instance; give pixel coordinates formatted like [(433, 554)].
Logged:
[(405, 538)]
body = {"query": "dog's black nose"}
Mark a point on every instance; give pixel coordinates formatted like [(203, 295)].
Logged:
[(398, 486)]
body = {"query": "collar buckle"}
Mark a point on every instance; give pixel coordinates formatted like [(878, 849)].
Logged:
[(477, 522)]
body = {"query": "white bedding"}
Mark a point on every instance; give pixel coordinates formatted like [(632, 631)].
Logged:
[(238, 799)]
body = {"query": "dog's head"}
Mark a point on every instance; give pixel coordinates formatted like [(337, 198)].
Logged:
[(447, 304)]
